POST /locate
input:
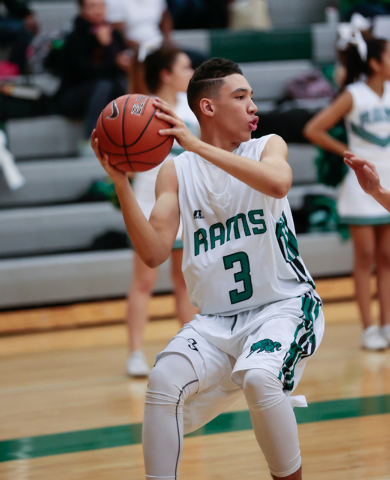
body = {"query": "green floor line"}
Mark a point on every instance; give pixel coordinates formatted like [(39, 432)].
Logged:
[(109, 437)]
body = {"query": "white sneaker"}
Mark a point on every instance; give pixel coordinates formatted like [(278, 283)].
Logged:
[(372, 339), (385, 331), (137, 365)]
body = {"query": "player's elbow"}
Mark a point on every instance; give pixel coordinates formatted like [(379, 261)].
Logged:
[(152, 261)]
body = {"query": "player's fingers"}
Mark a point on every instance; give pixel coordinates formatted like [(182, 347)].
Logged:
[(167, 131), (168, 118), (348, 154), (350, 164), (165, 107)]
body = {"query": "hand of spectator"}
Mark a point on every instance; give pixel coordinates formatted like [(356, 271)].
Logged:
[(117, 176), (123, 61), (31, 24), (104, 34), (366, 173)]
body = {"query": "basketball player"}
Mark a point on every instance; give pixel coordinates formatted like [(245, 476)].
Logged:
[(260, 318)]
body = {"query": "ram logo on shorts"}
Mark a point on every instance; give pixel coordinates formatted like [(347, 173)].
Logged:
[(265, 345)]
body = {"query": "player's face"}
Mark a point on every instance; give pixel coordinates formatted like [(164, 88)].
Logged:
[(235, 110), (386, 62), (181, 73), (94, 11)]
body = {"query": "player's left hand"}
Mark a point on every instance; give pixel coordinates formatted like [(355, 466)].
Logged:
[(179, 129), (366, 173)]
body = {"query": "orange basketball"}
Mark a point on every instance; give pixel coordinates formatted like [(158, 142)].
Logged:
[(127, 130)]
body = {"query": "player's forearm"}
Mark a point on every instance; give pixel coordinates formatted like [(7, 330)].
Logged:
[(382, 196), (142, 234), (258, 175)]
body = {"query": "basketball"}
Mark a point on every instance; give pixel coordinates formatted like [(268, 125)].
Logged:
[(127, 131)]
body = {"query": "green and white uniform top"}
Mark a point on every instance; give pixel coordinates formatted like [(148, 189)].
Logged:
[(368, 129), (240, 248)]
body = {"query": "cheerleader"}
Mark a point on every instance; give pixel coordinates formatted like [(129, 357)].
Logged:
[(364, 103)]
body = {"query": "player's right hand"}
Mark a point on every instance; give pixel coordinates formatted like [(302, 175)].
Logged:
[(115, 175)]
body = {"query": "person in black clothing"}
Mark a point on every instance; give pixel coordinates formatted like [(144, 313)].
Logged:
[(94, 65), (17, 29)]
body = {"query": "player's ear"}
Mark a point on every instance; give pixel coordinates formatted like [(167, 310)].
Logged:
[(206, 107), (165, 76)]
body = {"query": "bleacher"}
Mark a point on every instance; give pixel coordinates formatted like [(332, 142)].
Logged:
[(45, 228)]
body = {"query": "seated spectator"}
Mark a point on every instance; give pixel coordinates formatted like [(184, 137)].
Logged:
[(94, 66), (140, 20), (17, 29), (367, 8), (199, 14)]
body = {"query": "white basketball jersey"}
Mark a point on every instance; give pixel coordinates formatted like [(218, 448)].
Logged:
[(240, 248), (368, 123)]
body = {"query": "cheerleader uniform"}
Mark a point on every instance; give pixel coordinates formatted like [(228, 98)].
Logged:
[(368, 129)]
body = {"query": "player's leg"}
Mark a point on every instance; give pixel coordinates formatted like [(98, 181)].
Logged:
[(184, 310), (171, 382), (383, 277), (363, 238), (189, 370), (270, 367), (140, 291), (274, 423)]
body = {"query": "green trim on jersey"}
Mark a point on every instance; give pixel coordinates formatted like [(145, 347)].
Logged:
[(370, 137), (289, 247), (304, 343), (364, 220)]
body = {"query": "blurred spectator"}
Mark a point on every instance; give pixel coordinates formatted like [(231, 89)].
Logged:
[(17, 30), (367, 8), (94, 66), (198, 14), (140, 20)]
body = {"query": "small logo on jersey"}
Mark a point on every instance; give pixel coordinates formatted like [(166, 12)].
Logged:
[(265, 345), (198, 214), (192, 343)]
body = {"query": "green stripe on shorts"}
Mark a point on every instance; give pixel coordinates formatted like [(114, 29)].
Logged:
[(304, 343)]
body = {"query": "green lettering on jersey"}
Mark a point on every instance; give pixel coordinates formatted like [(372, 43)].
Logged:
[(200, 237), (364, 118), (236, 229), (213, 237), (257, 221), (387, 111), (378, 115)]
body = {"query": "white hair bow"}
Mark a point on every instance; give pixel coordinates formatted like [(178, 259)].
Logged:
[(351, 33), (149, 47)]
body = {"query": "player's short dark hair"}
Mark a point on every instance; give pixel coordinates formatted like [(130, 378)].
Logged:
[(208, 79)]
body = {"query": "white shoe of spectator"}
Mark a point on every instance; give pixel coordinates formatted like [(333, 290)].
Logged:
[(372, 339), (137, 365), (385, 331)]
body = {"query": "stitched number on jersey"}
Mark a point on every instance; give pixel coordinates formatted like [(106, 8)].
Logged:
[(242, 276)]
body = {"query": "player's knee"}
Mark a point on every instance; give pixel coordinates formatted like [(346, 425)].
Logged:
[(172, 380), (262, 389), (364, 258)]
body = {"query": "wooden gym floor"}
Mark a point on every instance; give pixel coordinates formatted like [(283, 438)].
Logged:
[(68, 411)]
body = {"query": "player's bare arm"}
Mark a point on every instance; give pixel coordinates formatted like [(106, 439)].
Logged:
[(153, 240), (272, 176), (368, 178), (316, 130)]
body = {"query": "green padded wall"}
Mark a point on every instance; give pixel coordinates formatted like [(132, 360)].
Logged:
[(256, 46)]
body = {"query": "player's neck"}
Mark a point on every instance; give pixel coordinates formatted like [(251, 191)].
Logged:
[(168, 95), (217, 139)]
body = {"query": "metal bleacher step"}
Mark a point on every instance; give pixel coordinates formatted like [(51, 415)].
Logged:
[(32, 231), (98, 275), (52, 181)]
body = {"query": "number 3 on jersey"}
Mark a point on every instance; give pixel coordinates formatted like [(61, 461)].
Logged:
[(242, 276)]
